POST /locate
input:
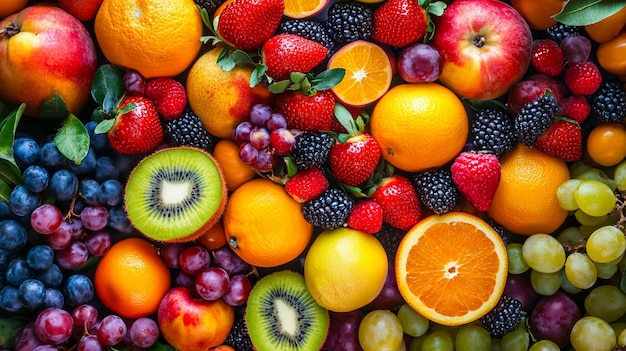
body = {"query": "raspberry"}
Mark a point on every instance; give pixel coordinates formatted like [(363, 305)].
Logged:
[(167, 95), (307, 184), (582, 78), (367, 216), (547, 57), (575, 107)]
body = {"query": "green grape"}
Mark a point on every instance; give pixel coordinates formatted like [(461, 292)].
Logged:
[(592, 334), (599, 175), (571, 236), (543, 253), (413, 323), (565, 194), (452, 330), (438, 340), (416, 343), (567, 286), (579, 167), (594, 198), (580, 270), (618, 327), (621, 340), (607, 302), (619, 175), (517, 340), (545, 283), (517, 264), (380, 330), (606, 270), (606, 244), (587, 220), (544, 345), (472, 337)]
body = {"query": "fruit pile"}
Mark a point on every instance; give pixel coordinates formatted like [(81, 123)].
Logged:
[(313, 175)]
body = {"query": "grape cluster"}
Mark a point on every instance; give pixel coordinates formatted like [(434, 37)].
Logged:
[(263, 138)]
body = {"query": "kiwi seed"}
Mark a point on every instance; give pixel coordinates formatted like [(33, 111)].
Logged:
[(282, 315), (175, 194)]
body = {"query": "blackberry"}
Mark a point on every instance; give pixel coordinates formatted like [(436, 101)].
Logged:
[(390, 237), (492, 130), (209, 5), (311, 149), (504, 318), (329, 210), (561, 31), (238, 337), (308, 29), (349, 21), (436, 190), (504, 234), (608, 103), (188, 130), (535, 118)]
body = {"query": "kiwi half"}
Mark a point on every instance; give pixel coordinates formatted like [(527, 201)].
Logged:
[(175, 194), (281, 314)]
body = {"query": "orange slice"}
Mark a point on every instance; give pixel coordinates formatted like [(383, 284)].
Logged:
[(303, 8), (368, 73), (451, 268)]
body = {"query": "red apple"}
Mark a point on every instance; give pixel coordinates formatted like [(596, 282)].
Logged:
[(84, 10), (189, 323), (43, 51), (485, 45)]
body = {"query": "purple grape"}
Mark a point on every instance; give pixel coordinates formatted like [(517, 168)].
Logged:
[(45, 348), (238, 290), (134, 83), (54, 326), (248, 153), (89, 343), (241, 134), (259, 138), (277, 120), (98, 242), (553, 318), (419, 63), (519, 287), (184, 279), (53, 298), (225, 258), (260, 114), (73, 256), (94, 217), (343, 332), (193, 259), (576, 48), (265, 161), (111, 330), (85, 317), (60, 238), (46, 218), (170, 253), (27, 339), (282, 140), (78, 289), (32, 293), (212, 283), (144, 332)]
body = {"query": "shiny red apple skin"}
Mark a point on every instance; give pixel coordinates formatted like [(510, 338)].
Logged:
[(188, 322), (50, 51), (486, 47)]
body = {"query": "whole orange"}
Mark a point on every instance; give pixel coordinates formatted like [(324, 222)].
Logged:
[(525, 201), (131, 278), (607, 28), (158, 38), (9, 7), (538, 13), (419, 126), (222, 99), (606, 144), (236, 172), (264, 225)]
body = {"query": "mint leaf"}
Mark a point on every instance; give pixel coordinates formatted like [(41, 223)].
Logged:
[(54, 109), (436, 8), (104, 126), (328, 78), (9, 171), (107, 87), (72, 139), (584, 12)]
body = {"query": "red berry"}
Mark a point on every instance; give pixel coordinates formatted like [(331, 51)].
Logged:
[(575, 107), (582, 78), (366, 216), (306, 185), (167, 95), (477, 176), (398, 199), (547, 57), (563, 140)]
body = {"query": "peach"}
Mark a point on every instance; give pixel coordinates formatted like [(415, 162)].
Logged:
[(45, 51)]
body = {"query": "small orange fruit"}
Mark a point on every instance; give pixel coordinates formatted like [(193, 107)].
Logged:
[(606, 144), (538, 13), (222, 99), (159, 38), (607, 28), (419, 126), (345, 269), (525, 201), (236, 172), (611, 55), (368, 73), (214, 238), (264, 225), (131, 278), (451, 268), (304, 8), (9, 7)]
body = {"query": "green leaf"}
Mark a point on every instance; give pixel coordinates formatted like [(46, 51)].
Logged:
[(107, 88), (279, 87), (129, 107), (436, 8), (225, 60), (161, 347), (72, 139), (54, 109), (9, 328), (345, 119), (258, 73), (241, 58), (5, 191), (328, 78), (482, 104), (584, 12), (9, 171), (104, 126)]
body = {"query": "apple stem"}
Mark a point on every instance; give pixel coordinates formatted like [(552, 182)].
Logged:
[(479, 41), (10, 30)]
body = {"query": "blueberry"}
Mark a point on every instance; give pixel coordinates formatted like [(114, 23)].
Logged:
[(51, 277), (10, 299), (18, 270), (78, 289), (25, 151), (86, 165), (96, 141), (23, 201), (5, 258), (40, 257), (106, 169), (88, 190), (64, 185), (14, 235), (35, 178), (54, 298), (110, 193), (32, 293), (4, 210), (50, 157), (118, 219)]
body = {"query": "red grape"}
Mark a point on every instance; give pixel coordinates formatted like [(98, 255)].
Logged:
[(89, 343), (144, 332), (111, 330), (54, 326), (259, 138), (553, 318), (282, 140), (224, 257), (46, 218), (212, 283), (94, 217), (193, 259), (170, 253), (238, 290), (73, 256), (420, 63)]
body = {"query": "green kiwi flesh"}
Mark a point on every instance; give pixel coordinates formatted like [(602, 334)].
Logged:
[(281, 314), (175, 194)]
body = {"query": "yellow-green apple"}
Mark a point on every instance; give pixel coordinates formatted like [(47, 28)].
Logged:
[(189, 323), (44, 51), (486, 47)]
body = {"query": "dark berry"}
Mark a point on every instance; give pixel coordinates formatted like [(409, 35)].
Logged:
[(492, 130), (188, 130), (329, 210), (311, 149), (535, 118), (349, 21), (608, 103), (308, 29), (436, 190), (504, 318), (560, 31)]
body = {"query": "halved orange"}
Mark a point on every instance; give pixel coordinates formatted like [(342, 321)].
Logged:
[(451, 268), (368, 73), (303, 8)]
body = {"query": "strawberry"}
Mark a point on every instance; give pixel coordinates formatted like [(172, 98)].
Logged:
[(354, 160), (575, 107), (547, 57), (399, 23), (563, 140), (83, 10), (397, 197), (167, 95), (247, 24), (138, 130), (366, 216), (285, 53), (306, 185), (476, 175), (309, 113), (582, 78)]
